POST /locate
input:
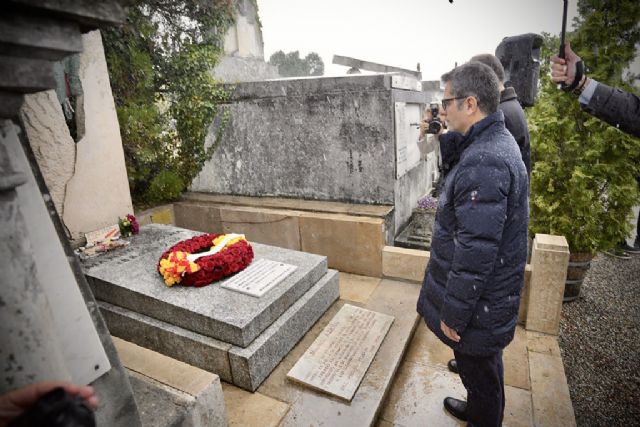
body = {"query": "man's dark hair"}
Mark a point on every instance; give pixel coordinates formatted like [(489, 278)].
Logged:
[(477, 80), (493, 62)]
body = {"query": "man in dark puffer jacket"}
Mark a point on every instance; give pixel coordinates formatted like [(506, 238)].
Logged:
[(471, 291)]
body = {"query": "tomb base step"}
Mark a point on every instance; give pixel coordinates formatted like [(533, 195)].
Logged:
[(128, 278), (245, 367)]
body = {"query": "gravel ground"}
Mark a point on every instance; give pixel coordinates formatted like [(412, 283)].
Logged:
[(599, 340)]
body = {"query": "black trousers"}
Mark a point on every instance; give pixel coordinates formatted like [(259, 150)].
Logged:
[(483, 377)]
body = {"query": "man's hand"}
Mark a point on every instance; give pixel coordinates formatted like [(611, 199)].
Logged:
[(564, 70), (424, 124), (17, 401), (449, 332)]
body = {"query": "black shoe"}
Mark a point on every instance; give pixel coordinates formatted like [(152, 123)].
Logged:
[(456, 407), (633, 250), (453, 366)]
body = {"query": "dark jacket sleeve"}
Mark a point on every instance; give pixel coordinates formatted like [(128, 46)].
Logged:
[(616, 107), (480, 205)]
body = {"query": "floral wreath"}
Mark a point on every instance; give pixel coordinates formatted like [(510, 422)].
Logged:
[(205, 259)]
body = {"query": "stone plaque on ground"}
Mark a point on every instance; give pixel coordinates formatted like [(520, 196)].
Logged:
[(338, 359), (259, 277)]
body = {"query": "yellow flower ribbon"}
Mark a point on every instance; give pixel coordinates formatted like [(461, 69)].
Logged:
[(175, 265)]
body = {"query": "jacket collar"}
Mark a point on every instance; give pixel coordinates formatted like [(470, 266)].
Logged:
[(453, 144), (508, 94)]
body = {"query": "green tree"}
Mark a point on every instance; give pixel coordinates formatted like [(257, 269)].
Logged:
[(159, 65), (583, 180), (291, 65)]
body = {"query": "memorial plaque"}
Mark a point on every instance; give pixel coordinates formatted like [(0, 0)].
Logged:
[(259, 277), (338, 359)]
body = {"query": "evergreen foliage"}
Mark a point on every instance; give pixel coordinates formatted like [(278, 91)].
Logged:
[(291, 65), (160, 63), (583, 181)]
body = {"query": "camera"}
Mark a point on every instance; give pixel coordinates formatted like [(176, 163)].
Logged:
[(434, 124)]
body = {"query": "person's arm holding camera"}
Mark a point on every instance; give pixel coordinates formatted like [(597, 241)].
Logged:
[(613, 106)]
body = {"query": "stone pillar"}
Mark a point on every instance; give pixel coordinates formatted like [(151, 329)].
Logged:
[(29, 351), (549, 261)]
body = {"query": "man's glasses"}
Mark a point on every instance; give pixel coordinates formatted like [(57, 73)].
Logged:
[(445, 102)]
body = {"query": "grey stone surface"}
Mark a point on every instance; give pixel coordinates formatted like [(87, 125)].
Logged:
[(293, 87), (189, 347), (409, 188), (251, 365), (29, 350), (336, 144), (161, 405), (74, 330), (311, 408), (326, 138), (128, 278), (244, 367)]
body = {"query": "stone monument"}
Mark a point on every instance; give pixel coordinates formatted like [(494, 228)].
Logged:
[(345, 139), (239, 336)]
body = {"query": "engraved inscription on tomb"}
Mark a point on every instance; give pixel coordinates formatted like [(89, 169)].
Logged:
[(257, 279), (338, 359)]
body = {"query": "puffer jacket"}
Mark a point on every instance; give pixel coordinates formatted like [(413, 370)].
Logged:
[(475, 273)]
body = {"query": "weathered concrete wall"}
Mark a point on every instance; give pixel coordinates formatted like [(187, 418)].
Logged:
[(88, 180), (320, 138), (51, 142)]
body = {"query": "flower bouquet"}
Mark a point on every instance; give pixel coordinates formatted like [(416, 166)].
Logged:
[(128, 225)]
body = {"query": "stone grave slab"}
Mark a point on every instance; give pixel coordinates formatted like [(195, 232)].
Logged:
[(244, 367), (312, 408), (127, 278), (338, 359)]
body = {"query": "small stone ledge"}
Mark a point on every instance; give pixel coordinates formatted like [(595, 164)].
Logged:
[(163, 214), (402, 263), (172, 390)]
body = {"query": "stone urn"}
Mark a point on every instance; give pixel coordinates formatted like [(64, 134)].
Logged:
[(417, 233), (423, 220)]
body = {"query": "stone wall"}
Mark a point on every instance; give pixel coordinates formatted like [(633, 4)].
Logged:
[(87, 179), (320, 138)]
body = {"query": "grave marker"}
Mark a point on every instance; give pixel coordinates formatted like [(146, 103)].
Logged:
[(338, 359)]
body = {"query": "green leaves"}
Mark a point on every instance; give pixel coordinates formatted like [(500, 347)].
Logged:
[(291, 65), (159, 66), (583, 180)]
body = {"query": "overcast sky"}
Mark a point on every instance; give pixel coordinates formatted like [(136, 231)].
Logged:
[(402, 33)]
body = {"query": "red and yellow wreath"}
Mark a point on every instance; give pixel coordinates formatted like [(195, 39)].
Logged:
[(205, 259)]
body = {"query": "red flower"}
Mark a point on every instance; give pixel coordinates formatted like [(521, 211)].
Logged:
[(212, 267)]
